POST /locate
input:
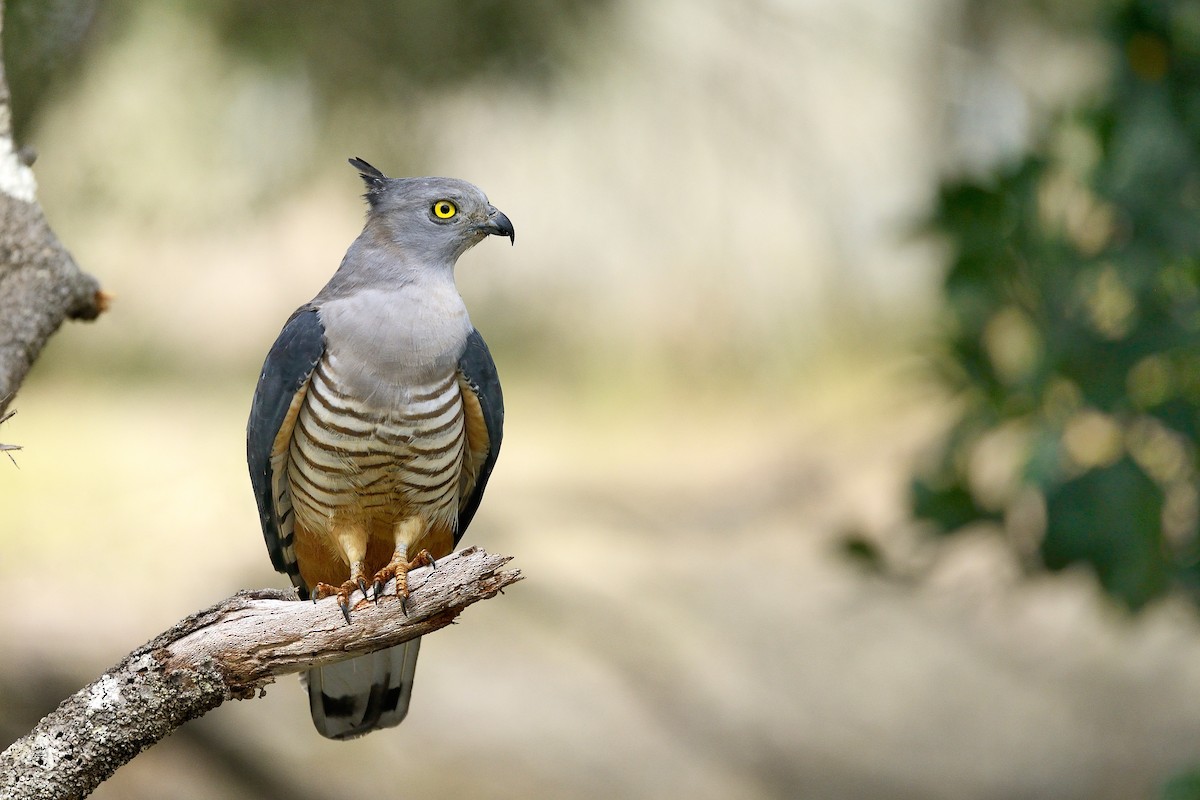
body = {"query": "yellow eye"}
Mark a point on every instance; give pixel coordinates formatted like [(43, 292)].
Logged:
[(444, 209)]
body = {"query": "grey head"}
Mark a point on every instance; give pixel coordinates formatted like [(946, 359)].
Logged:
[(431, 220)]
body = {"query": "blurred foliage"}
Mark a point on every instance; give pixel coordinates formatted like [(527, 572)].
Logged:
[(372, 49), (367, 52), (1073, 326), (1185, 786)]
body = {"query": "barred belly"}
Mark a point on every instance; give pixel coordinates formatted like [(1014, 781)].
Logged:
[(376, 460)]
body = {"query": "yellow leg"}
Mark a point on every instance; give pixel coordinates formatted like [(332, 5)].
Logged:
[(409, 531), (352, 542)]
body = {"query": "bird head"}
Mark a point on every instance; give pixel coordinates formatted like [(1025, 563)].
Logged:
[(433, 218)]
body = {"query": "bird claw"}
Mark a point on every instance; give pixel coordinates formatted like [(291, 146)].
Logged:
[(398, 568), (342, 593)]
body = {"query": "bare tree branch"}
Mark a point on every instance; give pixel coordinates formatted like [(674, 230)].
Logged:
[(40, 284), (229, 651)]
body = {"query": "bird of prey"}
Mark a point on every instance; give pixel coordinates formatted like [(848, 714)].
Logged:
[(375, 426)]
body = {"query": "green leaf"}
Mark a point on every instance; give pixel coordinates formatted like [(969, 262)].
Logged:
[(1110, 518), (1184, 786), (950, 507)]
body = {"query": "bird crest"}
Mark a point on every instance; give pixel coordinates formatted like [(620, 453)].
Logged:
[(376, 181)]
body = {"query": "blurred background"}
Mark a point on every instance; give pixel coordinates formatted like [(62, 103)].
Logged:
[(800, 286)]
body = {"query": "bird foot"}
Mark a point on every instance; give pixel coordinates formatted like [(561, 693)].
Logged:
[(342, 593), (398, 568)]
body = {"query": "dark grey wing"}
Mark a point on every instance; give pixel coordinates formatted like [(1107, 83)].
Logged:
[(480, 372), (281, 384)]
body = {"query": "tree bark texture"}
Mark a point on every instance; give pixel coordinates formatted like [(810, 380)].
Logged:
[(229, 651), (40, 284)]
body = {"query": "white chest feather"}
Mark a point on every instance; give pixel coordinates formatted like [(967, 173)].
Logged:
[(355, 459)]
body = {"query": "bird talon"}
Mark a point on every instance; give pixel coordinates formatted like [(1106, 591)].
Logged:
[(423, 559), (399, 568), (342, 593)]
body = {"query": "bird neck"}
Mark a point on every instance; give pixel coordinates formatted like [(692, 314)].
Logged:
[(374, 264)]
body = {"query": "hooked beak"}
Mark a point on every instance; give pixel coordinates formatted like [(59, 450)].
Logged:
[(498, 225)]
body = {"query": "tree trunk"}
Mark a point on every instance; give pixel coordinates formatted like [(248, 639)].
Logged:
[(40, 284)]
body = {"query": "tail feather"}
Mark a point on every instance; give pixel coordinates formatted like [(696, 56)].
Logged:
[(354, 697)]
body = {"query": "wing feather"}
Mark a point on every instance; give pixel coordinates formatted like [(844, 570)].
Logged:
[(281, 388), (480, 378)]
